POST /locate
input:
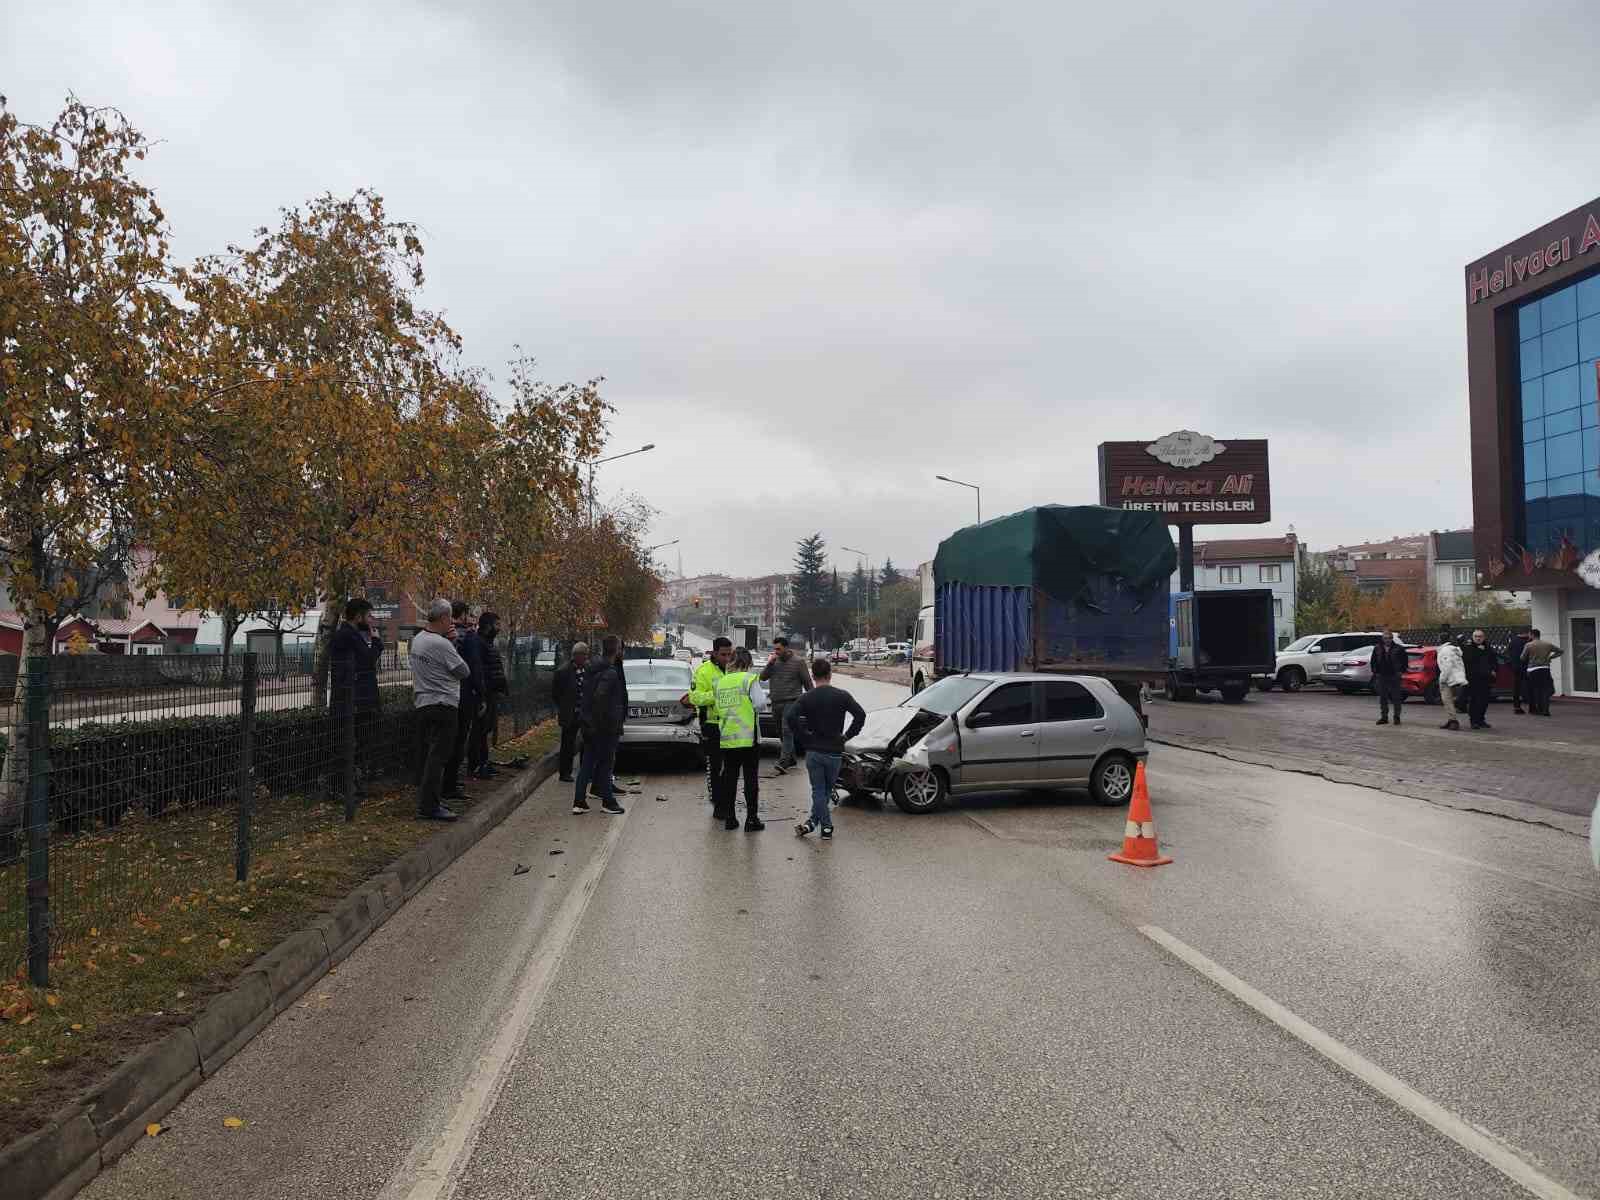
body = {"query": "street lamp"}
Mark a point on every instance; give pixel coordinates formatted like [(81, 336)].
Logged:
[(861, 602), (963, 483), (601, 461)]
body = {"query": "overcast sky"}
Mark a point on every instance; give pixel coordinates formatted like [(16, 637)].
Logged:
[(825, 251)]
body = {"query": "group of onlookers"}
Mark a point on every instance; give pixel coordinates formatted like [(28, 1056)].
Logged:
[(457, 677), (1468, 664)]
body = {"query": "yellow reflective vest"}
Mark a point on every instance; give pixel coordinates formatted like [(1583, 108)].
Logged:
[(703, 691), (736, 713)]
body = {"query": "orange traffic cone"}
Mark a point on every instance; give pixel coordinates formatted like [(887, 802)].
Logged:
[(1139, 848)]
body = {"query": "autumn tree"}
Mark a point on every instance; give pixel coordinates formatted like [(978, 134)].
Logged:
[(85, 320)]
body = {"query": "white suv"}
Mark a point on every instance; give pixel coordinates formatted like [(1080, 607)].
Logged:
[(1302, 660)]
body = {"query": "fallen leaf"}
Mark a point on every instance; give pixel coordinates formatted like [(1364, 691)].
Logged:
[(27, 1019), (187, 939), (77, 1028), (52, 999), (180, 995), (153, 1129), (224, 943), (232, 1123), (93, 931)]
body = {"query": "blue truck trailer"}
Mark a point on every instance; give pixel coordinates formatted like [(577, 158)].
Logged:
[(1086, 590)]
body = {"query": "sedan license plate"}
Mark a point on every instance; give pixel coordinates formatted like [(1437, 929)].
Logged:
[(649, 710), (1332, 668)]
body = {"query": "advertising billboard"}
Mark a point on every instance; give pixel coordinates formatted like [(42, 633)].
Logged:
[(1189, 478)]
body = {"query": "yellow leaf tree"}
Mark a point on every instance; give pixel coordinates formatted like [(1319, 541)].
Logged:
[(85, 323)]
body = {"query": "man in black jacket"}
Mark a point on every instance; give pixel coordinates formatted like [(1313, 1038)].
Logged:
[(1519, 672), (566, 689), (473, 691), (1480, 661), (495, 685), (604, 709), (353, 655), (1388, 665), (816, 724)]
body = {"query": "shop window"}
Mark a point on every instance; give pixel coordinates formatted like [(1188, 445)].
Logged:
[(1560, 347), (1558, 308)]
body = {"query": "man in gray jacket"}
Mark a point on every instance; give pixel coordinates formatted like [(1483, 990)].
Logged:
[(787, 680), (436, 675)]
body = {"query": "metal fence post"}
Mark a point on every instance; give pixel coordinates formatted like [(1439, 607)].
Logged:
[(247, 739), (38, 810)]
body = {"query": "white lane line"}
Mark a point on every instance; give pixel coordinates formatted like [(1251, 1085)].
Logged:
[(1592, 897), (1485, 1147), (436, 1175)]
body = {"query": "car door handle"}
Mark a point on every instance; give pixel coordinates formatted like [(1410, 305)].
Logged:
[(1099, 728), (1026, 733)]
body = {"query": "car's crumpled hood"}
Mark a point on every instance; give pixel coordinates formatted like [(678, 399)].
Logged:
[(884, 725)]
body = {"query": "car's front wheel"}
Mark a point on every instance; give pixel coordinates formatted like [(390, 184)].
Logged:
[(1111, 781), (920, 791), (1292, 679)]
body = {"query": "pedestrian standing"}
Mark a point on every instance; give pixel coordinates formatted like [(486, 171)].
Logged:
[(738, 695), (1480, 661), (622, 681), (1519, 671), (787, 680), (1389, 661), (817, 725), (353, 655), (602, 715), (1452, 676), (495, 685), (703, 696), (436, 674), (470, 705), (566, 689), (1537, 657)]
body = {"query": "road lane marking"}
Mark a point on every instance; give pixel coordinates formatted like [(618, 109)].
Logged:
[(1485, 1147), (435, 1175)]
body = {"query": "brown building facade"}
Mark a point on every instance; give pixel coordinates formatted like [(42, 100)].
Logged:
[(1533, 378)]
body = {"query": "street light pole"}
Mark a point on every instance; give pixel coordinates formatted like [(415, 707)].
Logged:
[(861, 603), (593, 463), (977, 491)]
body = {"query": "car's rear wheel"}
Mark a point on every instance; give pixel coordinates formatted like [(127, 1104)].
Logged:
[(919, 792), (1111, 781), (1292, 679)]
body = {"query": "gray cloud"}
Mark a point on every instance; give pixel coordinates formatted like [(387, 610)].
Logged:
[(827, 251)]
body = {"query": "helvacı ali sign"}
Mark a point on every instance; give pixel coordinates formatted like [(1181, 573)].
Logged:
[(1189, 478)]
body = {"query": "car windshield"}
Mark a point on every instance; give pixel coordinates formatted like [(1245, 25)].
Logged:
[(948, 695), (656, 672), (1297, 644)]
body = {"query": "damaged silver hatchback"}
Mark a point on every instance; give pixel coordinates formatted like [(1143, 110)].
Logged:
[(998, 732)]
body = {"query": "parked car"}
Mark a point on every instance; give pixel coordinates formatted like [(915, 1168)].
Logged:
[(1306, 660), (1422, 676), (683, 654), (840, 655), (998, 731)]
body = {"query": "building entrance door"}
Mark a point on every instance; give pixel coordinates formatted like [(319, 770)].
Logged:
[(1581, 648)]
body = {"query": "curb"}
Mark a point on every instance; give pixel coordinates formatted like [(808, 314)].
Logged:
[(53, 1163)]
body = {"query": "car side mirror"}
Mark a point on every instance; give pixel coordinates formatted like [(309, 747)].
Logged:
[(976, 720)]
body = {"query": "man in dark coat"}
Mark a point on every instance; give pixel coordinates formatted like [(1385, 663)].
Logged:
[(1519, 671), (604, 709), (566, 689), (1480, 660), (1389, 660), (473, 692), (353, 654), (495, 685)]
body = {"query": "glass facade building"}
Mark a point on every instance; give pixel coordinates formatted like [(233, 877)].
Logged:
[(1558, 348)]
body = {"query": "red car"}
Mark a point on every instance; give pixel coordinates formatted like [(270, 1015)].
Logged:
[(1422, 675)]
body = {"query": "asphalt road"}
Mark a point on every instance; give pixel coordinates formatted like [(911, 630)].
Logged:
[(974, 1003)]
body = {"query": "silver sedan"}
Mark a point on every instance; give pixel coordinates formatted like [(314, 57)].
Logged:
[(996, 732)]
